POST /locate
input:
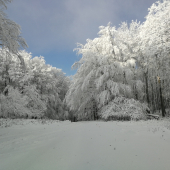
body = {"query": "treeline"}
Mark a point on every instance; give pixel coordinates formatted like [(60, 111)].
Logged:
[(125, 72), (29, 88)]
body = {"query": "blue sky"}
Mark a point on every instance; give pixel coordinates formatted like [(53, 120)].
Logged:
[(52, 28)]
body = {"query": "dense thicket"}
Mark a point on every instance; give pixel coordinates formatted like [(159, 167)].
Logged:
[(125, 70)]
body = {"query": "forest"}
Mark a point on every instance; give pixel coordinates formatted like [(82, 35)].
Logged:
[(123, 74)]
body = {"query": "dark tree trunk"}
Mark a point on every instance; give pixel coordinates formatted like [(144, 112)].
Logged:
[(153, 99), (157, 100), (147, 91), (162, 101)]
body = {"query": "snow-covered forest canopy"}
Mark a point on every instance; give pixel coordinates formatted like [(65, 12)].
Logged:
[(123, 73), (29, 88)]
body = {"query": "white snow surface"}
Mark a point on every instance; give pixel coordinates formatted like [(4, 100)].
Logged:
[(95, 145)]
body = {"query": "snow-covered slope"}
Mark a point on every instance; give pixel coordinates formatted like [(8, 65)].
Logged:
[(54, 145)]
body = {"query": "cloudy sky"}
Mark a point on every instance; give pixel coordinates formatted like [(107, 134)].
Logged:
[(52, 28)]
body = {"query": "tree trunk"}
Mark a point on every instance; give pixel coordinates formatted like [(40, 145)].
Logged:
[(153, 99), (147, 91), (162, 101)]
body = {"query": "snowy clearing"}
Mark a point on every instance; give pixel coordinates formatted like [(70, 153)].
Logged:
[(55, 145)]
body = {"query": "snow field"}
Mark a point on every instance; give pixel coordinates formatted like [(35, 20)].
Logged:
[(54, 145)]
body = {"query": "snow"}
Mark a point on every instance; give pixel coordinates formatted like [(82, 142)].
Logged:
[(95, 145), (124, 107)]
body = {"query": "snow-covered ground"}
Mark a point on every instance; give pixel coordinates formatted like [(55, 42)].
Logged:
[(55, 145)]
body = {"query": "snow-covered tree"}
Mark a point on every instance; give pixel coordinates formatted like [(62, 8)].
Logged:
[(105, 73), (155, 49), (10, 31), (42, 86)]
